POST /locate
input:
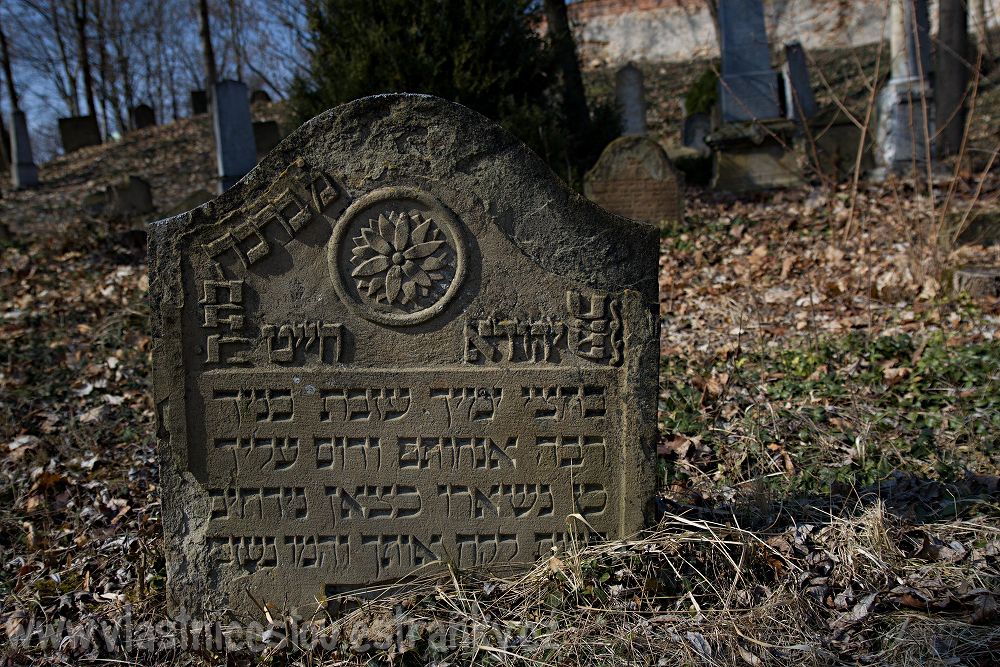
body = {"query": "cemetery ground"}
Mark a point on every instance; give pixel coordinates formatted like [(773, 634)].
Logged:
[(830, 424)]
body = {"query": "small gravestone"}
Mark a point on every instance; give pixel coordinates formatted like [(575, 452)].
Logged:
[(631, 97), (128, 197), (4, 146), (696, 127), (635, 179), (260, 97), (78, 132), (234, 138), (399, 345), (24, 173), (142, 116), (199, 102), (800, 102), (748, 87), (266, 135), (977, 281)]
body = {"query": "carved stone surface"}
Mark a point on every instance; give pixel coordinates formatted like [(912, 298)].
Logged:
[(635, 178), (400, 342)]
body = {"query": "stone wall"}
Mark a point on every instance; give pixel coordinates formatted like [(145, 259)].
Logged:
[(617, 31)]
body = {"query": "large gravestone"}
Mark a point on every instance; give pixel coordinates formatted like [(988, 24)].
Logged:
[(748, 87), (635, 178), (399, 343)]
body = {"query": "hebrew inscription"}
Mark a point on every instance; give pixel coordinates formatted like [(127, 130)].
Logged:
[(397, 346)]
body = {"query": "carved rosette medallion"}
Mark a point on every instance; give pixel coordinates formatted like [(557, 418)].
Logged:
[(397, 256)]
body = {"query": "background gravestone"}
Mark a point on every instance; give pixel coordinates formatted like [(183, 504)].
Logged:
[(78, 132), (24, 172), (631, 97), (266, 135), (235, 152), (697, 126), (260, 96), (748, 87), (199, 102), (4, 146), (399, 342), (800, 103), (635, 179), (142, 116)]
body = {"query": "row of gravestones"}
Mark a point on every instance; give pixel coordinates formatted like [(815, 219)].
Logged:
[(76, 132), (239, 141)]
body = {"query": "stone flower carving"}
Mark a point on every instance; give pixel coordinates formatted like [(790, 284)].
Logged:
[(395, 258)]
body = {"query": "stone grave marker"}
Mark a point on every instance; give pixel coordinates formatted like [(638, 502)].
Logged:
[(4, 146), (266, 135), (800, 102), (748, 87), (142, 116), (24, 172), (697, 126), (199, 102), (235, 152), (78, 132), (260, 96), (902, 127), (631, 97), (635, 178), (400, 342)]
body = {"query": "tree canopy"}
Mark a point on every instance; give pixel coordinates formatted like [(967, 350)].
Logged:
[(489, 56)]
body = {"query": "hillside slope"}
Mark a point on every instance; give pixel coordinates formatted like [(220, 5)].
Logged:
[(176, 159)]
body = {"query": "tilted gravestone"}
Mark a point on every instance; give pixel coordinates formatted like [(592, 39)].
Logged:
[(635, 178), (800, 102), (399, 343)]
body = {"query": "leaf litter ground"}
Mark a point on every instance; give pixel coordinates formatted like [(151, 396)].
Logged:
[(830, 450)]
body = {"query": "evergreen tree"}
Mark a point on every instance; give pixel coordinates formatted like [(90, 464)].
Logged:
[(487, 55)]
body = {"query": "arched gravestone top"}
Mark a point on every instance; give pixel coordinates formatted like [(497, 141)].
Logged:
[(635, 178), (399, 341)]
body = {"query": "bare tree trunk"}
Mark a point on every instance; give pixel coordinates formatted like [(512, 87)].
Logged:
[(713, 9), (574, 98), (102, 64), (211, 76), (952, 75), (84, 54), (981, 25), (74, 93), (236, 30), (7, 73)]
